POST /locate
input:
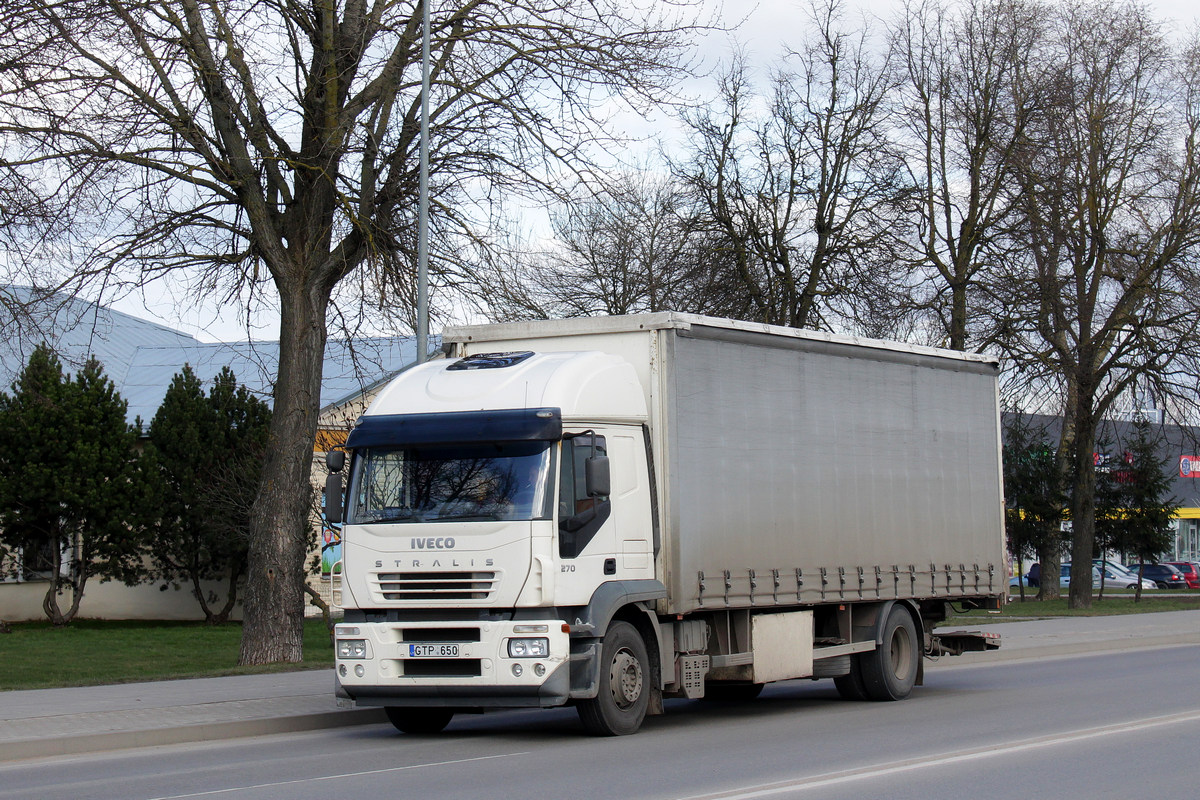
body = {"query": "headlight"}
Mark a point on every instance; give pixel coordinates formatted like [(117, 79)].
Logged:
[(352, 648), (528, 648)]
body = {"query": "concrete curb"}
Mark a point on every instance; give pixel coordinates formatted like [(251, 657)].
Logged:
[(186, 734)]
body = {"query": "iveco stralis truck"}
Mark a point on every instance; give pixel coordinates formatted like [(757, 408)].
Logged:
[(608, 512)]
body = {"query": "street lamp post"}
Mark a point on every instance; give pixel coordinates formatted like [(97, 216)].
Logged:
[(423, 202)]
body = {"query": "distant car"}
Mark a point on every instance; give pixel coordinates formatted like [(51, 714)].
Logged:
[(1114, 578), (1030, 579), (1166, 576), (1119, 577), (1023, 580), (1190, 571)]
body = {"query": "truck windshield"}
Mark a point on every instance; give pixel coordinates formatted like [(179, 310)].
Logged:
[(508, 481)]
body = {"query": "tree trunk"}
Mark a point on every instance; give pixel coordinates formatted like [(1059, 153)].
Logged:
[(1083, 507), (76, 581), (1051, 563), (198, 593), (279, 520), (315, 598), (222, 616), (958, 313)]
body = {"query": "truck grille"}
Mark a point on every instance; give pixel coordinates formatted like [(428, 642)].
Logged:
[(435, 585)]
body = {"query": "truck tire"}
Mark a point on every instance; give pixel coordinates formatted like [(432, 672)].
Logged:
[(625, 683), (418, 720), (889, 672), (850, 686)]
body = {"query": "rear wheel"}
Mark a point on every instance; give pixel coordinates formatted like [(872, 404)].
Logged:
[(889, 672), (418, 720), (850, 686), (625, 682)]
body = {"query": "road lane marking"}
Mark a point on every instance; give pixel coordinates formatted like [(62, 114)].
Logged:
[(863, 773), (247, 788)]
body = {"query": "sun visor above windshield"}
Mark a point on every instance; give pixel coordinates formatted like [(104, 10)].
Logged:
[(456, 427)]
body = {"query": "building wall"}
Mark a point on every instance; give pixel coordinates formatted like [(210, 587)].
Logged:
[(109, 600)]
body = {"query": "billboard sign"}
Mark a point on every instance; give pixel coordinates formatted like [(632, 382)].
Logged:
[(1189, 467)]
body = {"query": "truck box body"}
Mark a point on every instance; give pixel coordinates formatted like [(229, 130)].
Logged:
[(691, 502), (779, 450)]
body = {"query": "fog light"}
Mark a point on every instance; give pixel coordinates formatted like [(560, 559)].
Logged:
[(342, 670), (517, 670), (539, 669), (358, 670)]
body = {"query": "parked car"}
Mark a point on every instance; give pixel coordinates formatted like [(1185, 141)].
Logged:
[(1120, 577), (1114, 578), (1030, 583), (1190, 571), (1166, 576), (1031, 580)]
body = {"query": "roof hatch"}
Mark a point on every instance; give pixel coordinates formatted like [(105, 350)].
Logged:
[(491, 360)]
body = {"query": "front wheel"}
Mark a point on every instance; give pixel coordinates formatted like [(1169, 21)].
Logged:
[(624, 693), (889, 672), (418, 720)]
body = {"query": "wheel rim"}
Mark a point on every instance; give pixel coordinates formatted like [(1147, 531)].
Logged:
[(900, 651), (625, 678)]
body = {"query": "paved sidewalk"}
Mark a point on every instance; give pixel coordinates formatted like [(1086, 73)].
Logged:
[(51, 722), (48, 722)]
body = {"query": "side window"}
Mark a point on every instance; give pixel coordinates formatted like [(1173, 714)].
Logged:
[(579, 516), (572, 493)]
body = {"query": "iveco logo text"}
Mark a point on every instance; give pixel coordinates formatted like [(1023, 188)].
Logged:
[(440, 543)]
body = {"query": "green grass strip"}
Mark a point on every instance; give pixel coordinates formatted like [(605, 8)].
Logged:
[(95, 652), (1109, 605)]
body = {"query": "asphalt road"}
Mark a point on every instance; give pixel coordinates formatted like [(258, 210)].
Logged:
[(1108, 725)]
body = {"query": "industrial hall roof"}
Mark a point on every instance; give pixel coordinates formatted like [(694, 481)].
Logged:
[(142, 357)]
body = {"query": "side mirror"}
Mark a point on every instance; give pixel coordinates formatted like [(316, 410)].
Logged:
[(335, 460), (333, 498), (596, 476)]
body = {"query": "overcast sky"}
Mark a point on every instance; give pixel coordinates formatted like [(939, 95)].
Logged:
[(767, 22)]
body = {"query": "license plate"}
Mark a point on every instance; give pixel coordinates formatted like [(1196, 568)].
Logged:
[(433, 651)]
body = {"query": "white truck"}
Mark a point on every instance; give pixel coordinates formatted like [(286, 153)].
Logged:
[(605, 512)]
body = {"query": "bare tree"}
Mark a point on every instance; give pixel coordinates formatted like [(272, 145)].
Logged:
[(273, 144), (802, 196), (626, 247), (965, 108), (1110, 200)]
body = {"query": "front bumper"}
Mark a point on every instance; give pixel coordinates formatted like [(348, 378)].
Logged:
[(472, 668)]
